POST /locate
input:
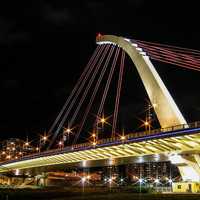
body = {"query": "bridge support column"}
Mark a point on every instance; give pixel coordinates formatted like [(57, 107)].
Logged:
[(188, 165), (41, 179)]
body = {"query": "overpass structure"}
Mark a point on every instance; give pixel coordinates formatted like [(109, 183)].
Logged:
[(176, 141), (180, 145)]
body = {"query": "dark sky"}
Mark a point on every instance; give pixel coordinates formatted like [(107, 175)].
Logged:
[(46, 44)]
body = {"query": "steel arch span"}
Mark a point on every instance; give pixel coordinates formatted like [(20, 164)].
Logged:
[(166, 109)]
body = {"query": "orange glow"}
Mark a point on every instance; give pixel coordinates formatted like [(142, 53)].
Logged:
[(123, 137), (146, 123)]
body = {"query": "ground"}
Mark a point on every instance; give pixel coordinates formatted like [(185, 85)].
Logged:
[(89, 194)]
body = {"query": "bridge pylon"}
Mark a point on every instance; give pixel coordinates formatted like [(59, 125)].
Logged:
[(166, 110)]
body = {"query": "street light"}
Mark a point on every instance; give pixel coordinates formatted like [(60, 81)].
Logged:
[(146, 123), (94, 143), (123, 137), (102, 120), (26, 143), (60, 144)]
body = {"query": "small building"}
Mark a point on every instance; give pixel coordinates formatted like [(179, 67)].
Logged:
[(181, 187)]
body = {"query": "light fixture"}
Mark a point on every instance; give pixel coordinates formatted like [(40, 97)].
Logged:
[(140, 180)]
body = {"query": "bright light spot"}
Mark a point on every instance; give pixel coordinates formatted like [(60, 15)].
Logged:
[(16, 157), (146, 123), (60, 143), (13, 148), (8, 156), (88, 176), (110, 180), (93, 135), (26, 143), (105, 179), (94, 143), (123, 137), (17, 172), (68, 130), (170, 181), (83, 179), (102, 120), (20, 153), (156, 181), (140, 159), (121, 180), (3, 152), (84, 163), (37, 148), (44, 138), (140, 180)]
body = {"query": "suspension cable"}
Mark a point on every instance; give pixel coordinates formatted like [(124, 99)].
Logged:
[(119, 85), (77, 94), (94, 93), (88, 87), (74, 90), (106, 88)]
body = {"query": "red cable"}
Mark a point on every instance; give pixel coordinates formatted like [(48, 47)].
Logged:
[(118, 94), (74, 90), (94, 94), (76, 96), (106, 88), (88, 86)]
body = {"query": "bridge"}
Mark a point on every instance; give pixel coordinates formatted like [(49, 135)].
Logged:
[(176, 141)]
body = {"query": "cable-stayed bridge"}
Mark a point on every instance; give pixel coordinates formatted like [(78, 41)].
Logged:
[(176, 140)]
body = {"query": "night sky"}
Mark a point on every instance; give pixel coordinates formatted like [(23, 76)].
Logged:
[(46, 44)]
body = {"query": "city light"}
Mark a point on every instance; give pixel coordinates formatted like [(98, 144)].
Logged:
[(102, 120), (121, 180), (93, 135), (68, 130), (3, 152), (170, 181), (26, 144), (146, 123), (17, 172), (94, 143), (60, 143), (141, 180), (156, 181), (88, 177), (83, 179), (44, 138), (123, 137), (110, 180)]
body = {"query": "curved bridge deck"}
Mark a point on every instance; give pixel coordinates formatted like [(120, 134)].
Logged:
[(176, 139)]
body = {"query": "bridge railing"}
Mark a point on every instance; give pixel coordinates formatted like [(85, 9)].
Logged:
[(105, 141)]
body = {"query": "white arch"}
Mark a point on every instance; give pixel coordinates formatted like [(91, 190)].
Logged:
[(166, 110)]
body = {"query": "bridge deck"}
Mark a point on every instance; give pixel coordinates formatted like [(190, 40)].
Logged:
[(169, 140)]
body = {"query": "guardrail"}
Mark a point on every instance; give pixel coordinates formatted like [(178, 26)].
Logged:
[(118, 139)]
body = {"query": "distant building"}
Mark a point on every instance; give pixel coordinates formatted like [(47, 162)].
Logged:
[(14, 148)]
